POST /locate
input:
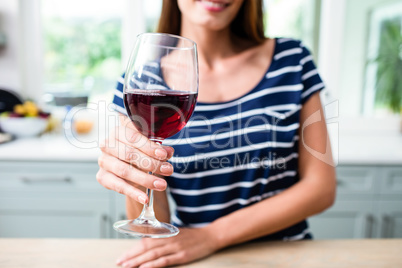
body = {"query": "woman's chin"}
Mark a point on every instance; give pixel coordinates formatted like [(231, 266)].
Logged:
[(212, 24)]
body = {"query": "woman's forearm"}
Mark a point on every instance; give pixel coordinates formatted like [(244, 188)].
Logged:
[(295, 204)]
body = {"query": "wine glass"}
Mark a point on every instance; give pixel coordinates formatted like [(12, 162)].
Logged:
[(160, 93)]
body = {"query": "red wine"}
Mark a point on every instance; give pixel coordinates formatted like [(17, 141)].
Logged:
[(159, 114)]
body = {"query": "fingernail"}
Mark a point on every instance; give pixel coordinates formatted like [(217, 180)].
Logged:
[(171, 154), (165, 167), (118, 262), (141, 200), (161, 153), (160, 184)]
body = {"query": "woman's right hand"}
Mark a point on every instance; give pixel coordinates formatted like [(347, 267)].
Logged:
[(127, 157)]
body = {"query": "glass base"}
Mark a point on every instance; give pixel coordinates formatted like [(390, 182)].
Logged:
[(145, 228)]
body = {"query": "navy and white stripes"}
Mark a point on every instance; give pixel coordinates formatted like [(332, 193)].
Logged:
[(236, 153)]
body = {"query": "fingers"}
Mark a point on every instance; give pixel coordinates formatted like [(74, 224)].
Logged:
[(138, 158), (112, 182), (160, 255), (127, 134), (133, 252), (165, 261), (141, 248), (126, 160), (126, 171)]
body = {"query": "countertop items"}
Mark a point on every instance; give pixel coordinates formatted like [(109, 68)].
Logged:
[(49, 253), (5, 137), (8, 98)]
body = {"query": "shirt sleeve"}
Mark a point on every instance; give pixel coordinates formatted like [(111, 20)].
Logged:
[(311, 79), (150, 77), (118, 104)]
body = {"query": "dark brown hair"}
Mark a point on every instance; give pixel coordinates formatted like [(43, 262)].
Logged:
[(248, 23)]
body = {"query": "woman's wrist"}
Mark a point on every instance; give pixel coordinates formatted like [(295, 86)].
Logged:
[(216, 235)]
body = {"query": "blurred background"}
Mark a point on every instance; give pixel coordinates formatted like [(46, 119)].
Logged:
[(60, 60)]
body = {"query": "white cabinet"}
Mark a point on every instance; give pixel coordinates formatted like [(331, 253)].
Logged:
[(63, 199), (390, 219), (368, 204), (119, 213), (389, 207), (51, 218), (346, 219), (53, 199)]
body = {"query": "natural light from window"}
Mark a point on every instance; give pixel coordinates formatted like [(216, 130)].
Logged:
[(82, 46), (82, 40)]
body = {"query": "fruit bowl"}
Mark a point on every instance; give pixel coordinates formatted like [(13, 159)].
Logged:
[(26, 120), (23, 126)]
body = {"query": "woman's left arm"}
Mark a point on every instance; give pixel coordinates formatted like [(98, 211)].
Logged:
[(314, 193)]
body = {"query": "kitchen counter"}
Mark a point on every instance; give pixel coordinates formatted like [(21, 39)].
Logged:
[(50, 253), (347, 149), (51, 148), (370, 150)]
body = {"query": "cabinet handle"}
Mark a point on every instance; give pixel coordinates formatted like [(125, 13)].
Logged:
[(386, 226), (104, 223), (339, 182), (370, 224), (122, 217), (66, 179)]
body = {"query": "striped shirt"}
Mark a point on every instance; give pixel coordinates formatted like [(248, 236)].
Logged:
[(234, 154)]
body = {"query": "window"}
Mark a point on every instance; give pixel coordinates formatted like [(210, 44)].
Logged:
[(294, 18), (302, 19), (383, 87), (345, 47), (86, 44), (152, 11), (353, 44), (81, 46)]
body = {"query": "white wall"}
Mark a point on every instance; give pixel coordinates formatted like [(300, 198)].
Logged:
[(331, 39), (9, 66)]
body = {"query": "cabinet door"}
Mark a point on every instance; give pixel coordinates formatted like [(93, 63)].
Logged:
[(391, 182), (53, 199), (119, 213), (356, 180), (54, 218), (390, 217), (346, 219)]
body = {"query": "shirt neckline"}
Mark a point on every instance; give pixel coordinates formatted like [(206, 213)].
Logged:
[(269, 69)]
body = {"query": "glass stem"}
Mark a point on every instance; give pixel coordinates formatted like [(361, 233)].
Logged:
[(147, 213)]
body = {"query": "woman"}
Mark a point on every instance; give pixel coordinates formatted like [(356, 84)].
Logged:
[(252, 174)]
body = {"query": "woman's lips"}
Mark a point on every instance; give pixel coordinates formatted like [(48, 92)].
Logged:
[(213, 6)]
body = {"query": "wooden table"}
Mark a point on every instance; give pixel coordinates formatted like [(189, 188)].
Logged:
[(60, 253)]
